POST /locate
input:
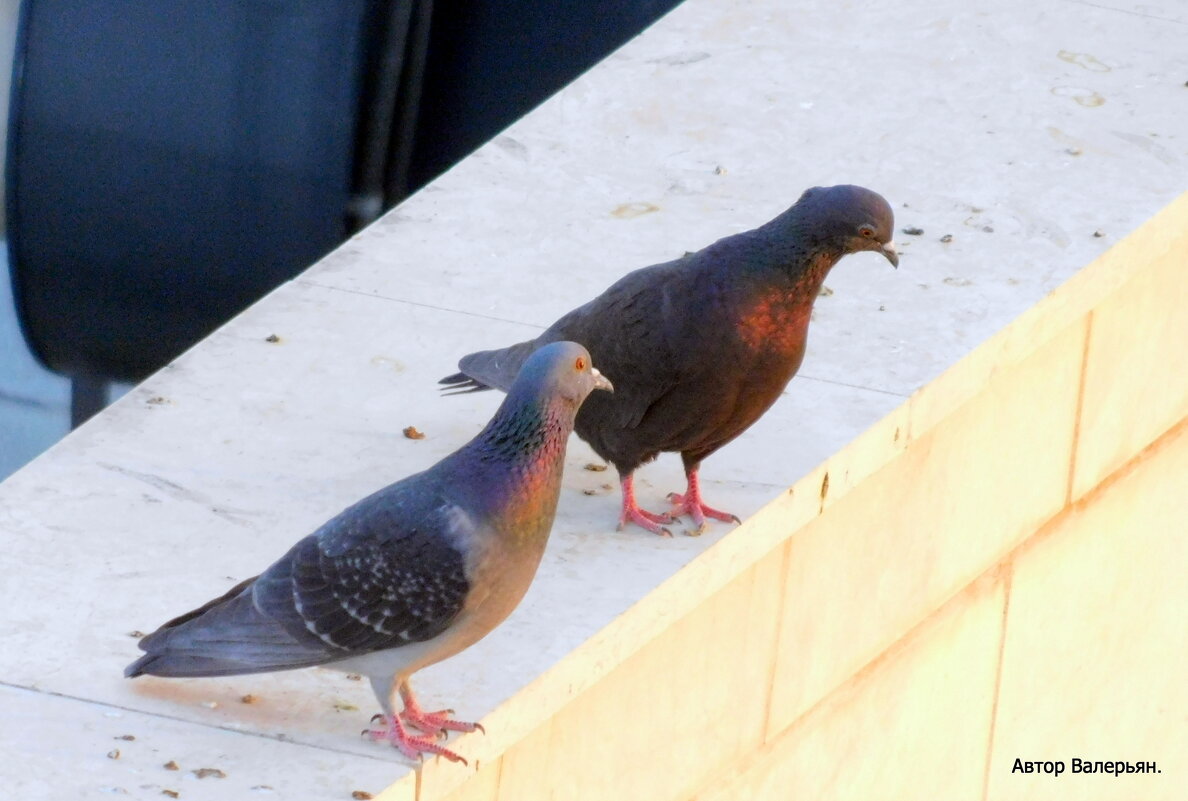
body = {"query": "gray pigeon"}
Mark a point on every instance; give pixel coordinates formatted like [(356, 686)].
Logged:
[(700, 347), (410, 575)]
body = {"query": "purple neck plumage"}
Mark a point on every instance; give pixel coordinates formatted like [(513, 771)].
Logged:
[(788, 252), (530, 434), (798, 248), (521, 453)]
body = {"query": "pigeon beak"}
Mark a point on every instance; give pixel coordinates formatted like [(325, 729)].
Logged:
[(889, 252), (601, 381)]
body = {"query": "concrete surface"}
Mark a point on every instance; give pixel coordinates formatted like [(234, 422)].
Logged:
[(1019, 128)]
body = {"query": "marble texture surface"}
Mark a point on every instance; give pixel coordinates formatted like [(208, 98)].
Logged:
[(1044, 122)]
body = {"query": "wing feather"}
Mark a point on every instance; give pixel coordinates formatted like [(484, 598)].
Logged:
[(383, 573)]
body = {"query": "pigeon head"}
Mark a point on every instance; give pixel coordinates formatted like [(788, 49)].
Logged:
[(849, 219), (560, 371), (538, 413)]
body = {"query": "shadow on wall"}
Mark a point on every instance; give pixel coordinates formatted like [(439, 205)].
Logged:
[(9, 15), (34, 403)]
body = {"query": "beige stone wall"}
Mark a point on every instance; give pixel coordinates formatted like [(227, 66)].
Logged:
[(994, 572)]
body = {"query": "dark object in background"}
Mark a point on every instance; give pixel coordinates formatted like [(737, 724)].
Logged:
[(170, 163), (490, 62)]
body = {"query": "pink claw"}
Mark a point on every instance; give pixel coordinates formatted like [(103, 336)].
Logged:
[(438, 723), (691, 504), (412, 747), (434, 725)]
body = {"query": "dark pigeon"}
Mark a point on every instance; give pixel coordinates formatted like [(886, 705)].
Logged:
[(700, 347), (410, 575)]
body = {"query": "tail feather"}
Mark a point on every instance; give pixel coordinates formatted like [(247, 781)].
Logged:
[(461, 384), (226, 637), (490, 369)]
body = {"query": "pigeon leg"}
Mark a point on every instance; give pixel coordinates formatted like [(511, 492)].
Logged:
[(633, 514), (691, 504), (412, 746), (436, 724)]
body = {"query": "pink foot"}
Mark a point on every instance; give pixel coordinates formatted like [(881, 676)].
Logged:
[(436, 724), (393, 731), (631, 513), (691, 504)]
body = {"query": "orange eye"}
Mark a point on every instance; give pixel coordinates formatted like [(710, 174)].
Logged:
[(580, 364), (866, 231)]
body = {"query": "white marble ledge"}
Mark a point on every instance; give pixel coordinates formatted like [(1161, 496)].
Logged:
[(1044, 121), (210, 470), (57, 747)]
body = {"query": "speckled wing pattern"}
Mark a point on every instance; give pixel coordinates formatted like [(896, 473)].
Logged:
[(384, 573)]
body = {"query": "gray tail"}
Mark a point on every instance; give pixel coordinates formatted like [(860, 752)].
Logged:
[(227, 637), (489, 369), (460, 384)]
